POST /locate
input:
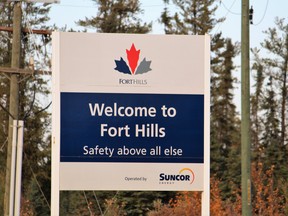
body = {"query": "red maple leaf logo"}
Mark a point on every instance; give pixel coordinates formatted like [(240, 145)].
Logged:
[(133, 57), (132, 67)]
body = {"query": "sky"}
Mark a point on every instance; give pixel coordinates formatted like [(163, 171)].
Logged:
[(68, 12), (265, 11)]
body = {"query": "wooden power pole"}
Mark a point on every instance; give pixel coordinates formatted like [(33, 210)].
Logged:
[(14, 72), (245, 113), (14, 97)]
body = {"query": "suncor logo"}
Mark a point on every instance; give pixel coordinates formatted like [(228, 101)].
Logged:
[(184, 175), (133, 67)]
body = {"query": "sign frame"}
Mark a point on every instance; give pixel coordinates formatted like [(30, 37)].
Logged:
[(59, 87)]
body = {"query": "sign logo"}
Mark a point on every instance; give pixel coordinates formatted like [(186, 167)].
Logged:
[(133, 68), (184, 175)]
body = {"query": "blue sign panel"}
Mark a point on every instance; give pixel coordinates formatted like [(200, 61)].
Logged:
[(119, 127)]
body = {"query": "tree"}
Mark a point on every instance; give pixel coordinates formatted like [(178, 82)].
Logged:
[(117, 16), (193, 17), (197, 18), (225, 146), (272, 102), (277, 45), (256, 104), (5, 59), (273, 152), (36, 147), (140, 202), (266, 199)]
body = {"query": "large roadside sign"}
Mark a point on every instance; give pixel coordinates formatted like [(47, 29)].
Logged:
[(130, 112)]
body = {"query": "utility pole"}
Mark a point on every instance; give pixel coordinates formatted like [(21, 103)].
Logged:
[(245, 112), (10, 184), (14, 97)]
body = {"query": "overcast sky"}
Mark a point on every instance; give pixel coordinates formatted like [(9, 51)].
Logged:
[(265, 11)]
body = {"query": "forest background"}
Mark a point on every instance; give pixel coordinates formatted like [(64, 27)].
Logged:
[(269, 63)]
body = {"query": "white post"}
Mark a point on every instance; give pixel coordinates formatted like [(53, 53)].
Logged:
[(13, 163), (20, 130), (55, 146), (205, 211)]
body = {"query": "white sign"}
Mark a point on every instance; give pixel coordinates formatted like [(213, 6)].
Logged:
[(130, 112)]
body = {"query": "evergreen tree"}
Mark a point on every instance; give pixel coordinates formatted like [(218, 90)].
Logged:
[(271, 140), (277, 45), (273, 143), (84, 202), (5, 47), (38, 191), (139, 202), (256, 104), (225, 137), (117, 16), (36, 119), (73, 203), (194, 17), (37, 151), (197, 18)]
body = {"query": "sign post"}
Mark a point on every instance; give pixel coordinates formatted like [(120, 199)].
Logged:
[(131, 112)]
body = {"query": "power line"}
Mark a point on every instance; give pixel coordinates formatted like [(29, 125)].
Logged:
[(2, 147), (39, 187), (76, 6), (97, 201), (114, 197), (87, 203), (226, 15), (7, 111), (229, 9), (264, 14)]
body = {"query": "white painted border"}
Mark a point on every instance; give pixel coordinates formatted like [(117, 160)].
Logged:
[(205, 207), (55, 144)]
